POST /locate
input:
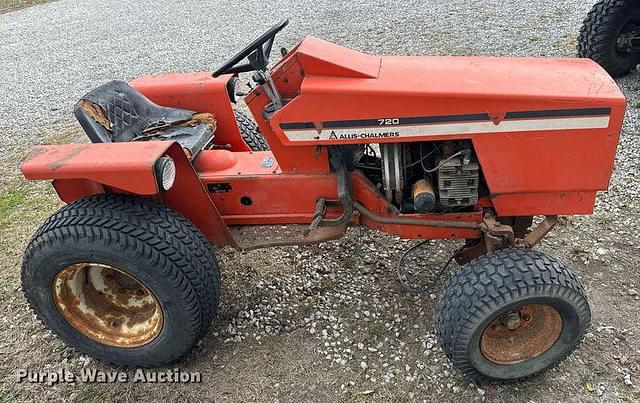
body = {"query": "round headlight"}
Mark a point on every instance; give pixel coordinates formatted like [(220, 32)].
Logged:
[(165, 172)]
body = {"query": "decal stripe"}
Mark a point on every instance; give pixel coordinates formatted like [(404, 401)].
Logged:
[(395, 131), (408, 121), (558, 113), (474, 117), (297, 125)]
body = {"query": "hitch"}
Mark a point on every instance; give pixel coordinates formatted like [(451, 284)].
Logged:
[(498, 236)]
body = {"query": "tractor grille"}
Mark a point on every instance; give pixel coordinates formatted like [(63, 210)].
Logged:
[(458, 183)]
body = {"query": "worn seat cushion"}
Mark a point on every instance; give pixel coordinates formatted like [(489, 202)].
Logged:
[(115, 112)]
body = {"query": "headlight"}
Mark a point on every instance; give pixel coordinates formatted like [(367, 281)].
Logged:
[(165, 173)]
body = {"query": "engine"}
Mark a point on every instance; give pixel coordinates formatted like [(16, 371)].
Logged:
[(424, 177)]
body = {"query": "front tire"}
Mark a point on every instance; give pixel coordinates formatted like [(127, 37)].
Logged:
[(511, 314), (250, 132), (123, 279), (600, 33)]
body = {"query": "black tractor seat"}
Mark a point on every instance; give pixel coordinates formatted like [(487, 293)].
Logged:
[(115, 112)]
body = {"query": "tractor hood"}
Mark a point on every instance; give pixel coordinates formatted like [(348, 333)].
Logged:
[(338, 78), (545, 130)]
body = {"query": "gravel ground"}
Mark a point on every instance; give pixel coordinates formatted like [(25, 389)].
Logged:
[(328, 322), (53, 53)]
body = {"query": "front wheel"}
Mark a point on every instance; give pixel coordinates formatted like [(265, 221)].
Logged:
[(510, 314), (123, 279)]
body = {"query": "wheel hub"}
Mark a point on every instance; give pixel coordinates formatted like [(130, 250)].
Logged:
[(107, 305), (521, 334), (628, 40)]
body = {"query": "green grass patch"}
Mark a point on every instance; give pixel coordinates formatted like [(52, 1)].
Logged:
[(23, 207), (7, 393), (26, 201), (11, 199)]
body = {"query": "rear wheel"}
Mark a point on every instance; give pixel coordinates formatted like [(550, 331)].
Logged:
[(250, 132), (606, 35), (123, 279), (510, 314)]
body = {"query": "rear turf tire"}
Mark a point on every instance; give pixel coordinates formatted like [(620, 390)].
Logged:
[(250, 132), (143, 241), (600, 30), (479, 298)]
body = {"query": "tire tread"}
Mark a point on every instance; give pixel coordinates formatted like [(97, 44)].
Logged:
[(250, 132), (171, 244), (491, 281), (598, 31)]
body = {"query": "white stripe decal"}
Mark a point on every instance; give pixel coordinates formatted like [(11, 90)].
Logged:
[(524, 125)]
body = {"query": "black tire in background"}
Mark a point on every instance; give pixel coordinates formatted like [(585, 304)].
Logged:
[(250, 132), (146, 241), (476, 298), (600, 31)]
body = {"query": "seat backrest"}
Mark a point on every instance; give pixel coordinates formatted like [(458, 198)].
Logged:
[(115, 112)]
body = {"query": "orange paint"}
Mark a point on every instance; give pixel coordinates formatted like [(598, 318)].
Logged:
[(539, 170)]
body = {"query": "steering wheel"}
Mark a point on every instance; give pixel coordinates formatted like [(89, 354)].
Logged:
[(257, 51)]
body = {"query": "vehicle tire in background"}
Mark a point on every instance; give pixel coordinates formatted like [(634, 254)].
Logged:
[(603, 32), (123, 279), (510, 314), (250, 132)]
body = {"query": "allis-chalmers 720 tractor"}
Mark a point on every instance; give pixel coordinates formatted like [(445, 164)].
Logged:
[(468, 148)]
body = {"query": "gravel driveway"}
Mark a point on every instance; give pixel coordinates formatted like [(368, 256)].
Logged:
[(53, 53)]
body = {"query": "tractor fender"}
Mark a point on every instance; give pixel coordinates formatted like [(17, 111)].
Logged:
[(80, 170)]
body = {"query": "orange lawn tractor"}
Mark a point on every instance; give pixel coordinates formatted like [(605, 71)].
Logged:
[(468, 148)]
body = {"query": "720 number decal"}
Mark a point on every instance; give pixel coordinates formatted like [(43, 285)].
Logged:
[(389, 121)]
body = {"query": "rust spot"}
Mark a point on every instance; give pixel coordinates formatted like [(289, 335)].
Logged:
[(521, 334), (96, 113), (107, 305)]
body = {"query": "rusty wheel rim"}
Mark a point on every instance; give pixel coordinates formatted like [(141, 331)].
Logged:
[(107, 305), (521, 334)]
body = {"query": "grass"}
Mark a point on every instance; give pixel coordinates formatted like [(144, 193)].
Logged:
[(11, 199), (22, 208), (8, 394), (26, 204), (7, 6)]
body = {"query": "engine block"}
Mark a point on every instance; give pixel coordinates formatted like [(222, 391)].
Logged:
[(458, 183)]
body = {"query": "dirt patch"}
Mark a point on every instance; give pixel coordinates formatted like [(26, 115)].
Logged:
[(330, 323), (7, 6)]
